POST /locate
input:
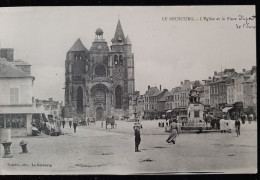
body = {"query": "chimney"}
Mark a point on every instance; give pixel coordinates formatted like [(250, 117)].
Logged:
[(215, 73), (148, 87), (181, 83), (209, 77), (244, 70), (160, 87)]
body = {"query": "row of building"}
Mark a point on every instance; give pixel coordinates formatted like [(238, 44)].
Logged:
[(18, 108), (223, 89)]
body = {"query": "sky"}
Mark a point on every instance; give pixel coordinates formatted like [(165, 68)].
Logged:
[(166, 51)]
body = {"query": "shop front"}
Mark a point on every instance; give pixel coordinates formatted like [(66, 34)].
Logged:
[(18, 119)]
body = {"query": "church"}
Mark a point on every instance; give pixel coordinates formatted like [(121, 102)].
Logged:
[(99, 81)]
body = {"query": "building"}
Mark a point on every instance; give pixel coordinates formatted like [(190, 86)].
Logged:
[(16, 86), (50, 106), (205, 100), (151, 97), (218, 87), (140, 106), (162, 104), (230, 92), (170, 101), (100, 81)]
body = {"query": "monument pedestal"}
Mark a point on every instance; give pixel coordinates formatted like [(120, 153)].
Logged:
[(7, 152)]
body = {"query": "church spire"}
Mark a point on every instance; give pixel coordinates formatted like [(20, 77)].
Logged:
[(119, 34), (127, 40)]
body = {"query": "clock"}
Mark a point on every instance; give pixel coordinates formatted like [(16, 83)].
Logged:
[(99, 47)]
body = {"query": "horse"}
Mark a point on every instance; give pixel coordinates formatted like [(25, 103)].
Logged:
[(110, 120)]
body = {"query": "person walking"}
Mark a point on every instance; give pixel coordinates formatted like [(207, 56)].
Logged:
[(63, 122), (243, 118), (75, 123), (174, 132), (137, 137), (70, 122), (88, 120), (251, 118), (237, 125)]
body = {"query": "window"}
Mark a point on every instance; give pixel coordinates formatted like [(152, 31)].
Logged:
[(120, 59), (1, 121), (16, 121), (14, 95), (196, 114), (116, 59)]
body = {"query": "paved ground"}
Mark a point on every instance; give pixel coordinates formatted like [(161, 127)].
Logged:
[(93, 150)]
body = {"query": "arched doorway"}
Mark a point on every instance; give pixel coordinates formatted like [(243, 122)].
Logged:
[(79, 100), (99, 114), (119, 96)]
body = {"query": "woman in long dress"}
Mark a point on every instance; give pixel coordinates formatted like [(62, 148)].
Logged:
[(174, 132)]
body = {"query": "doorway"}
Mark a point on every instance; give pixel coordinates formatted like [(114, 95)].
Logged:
[(99, 114)]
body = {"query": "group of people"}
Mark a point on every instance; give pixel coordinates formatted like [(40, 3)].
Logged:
[(72, 121), (51, 126)]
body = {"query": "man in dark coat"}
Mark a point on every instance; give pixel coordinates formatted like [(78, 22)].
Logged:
[(75, 123), (137, 137)]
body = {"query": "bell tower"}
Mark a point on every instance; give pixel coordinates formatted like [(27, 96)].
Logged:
[(75, 78), (123, 68)]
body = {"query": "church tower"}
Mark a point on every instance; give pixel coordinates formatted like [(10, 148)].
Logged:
[(123, 78), (75, 64), (100, 81)]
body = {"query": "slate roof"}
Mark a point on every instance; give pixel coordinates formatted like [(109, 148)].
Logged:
[(152, 91), (187, 86), (251, 79), (19, 62), (78, 46), (8, 70), (164, 97)]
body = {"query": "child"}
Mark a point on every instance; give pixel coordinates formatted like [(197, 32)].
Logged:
[(137, 137)]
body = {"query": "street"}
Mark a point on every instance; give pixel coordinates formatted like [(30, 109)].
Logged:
[(92, 150)]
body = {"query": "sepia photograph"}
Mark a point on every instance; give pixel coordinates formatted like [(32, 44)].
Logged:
[(128, 90)]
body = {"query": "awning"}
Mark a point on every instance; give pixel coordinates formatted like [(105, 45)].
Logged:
[(226, 109), (20, 110), (168, 111)]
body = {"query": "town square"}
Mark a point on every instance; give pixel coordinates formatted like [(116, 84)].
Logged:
[(87, 93)]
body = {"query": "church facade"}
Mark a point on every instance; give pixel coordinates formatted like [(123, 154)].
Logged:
[(99, 82)]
